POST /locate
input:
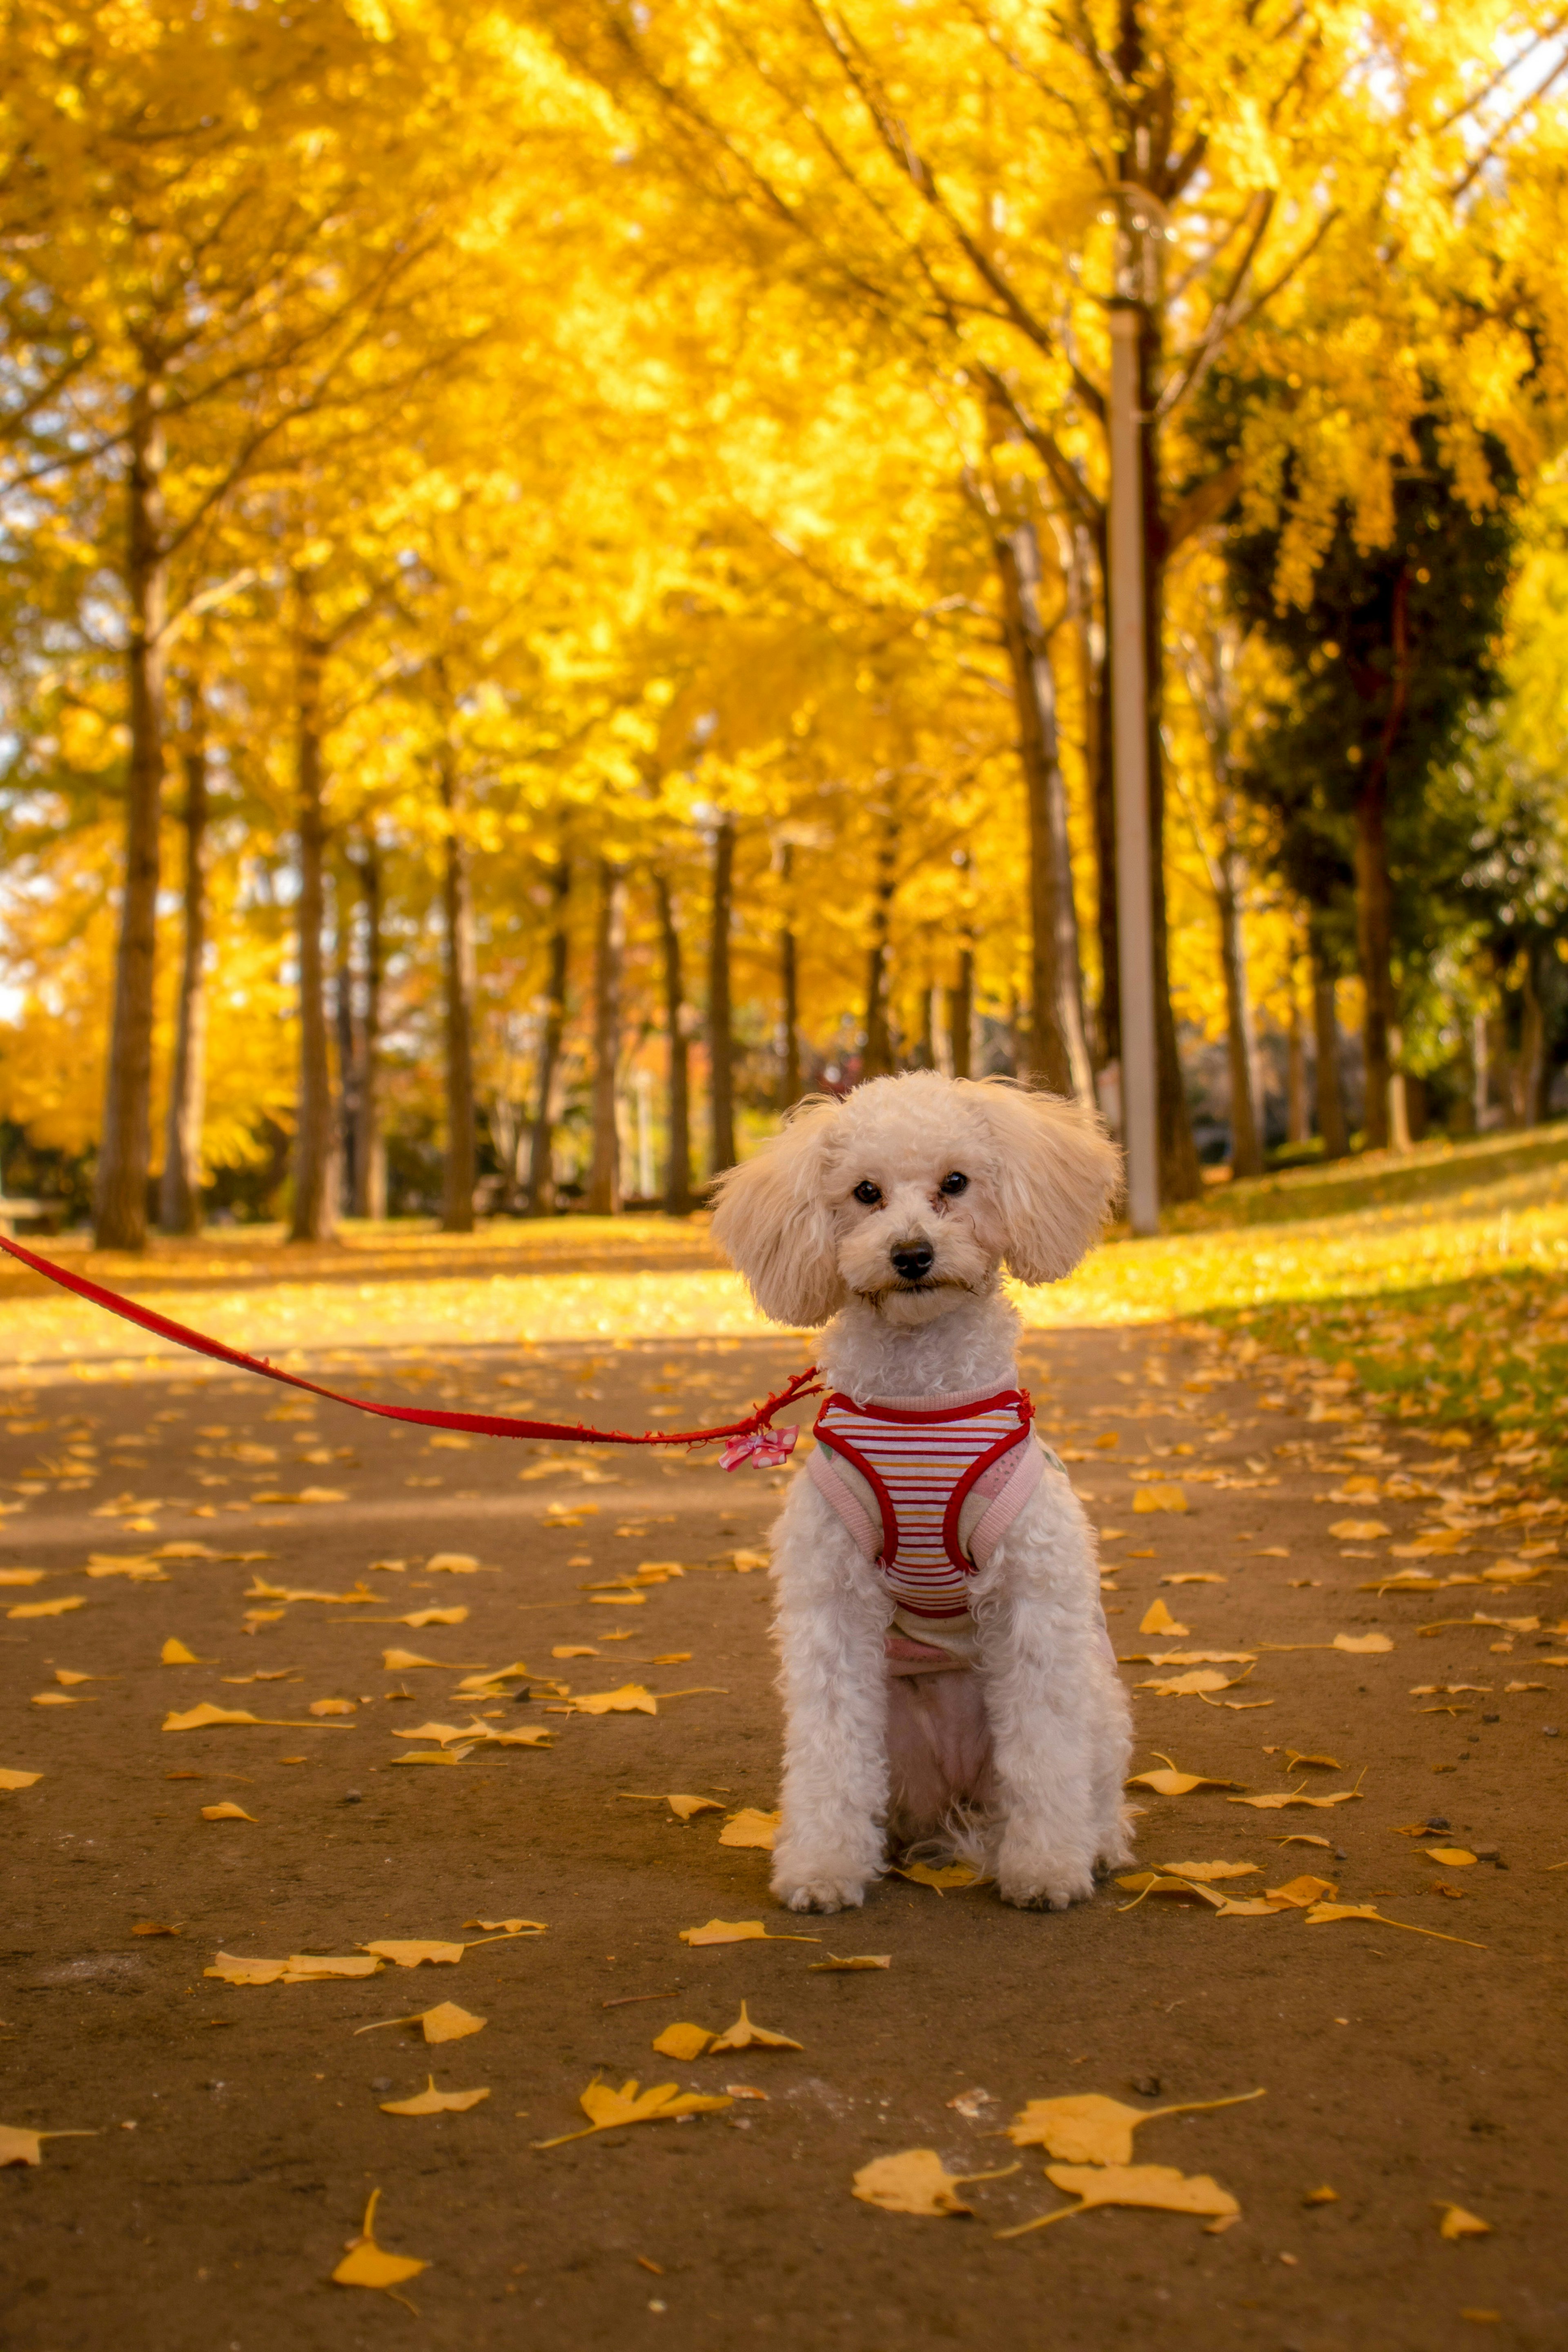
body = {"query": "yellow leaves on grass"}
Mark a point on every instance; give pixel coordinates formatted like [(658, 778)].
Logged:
[(368, 2265), (751, 1828), (1157, 1619), (916, 2181), (1157, 2188), (226, 1812), (445, 2023), (432, 2102), (738, 1931), (1456, 2223), (1161, 1494), (609, 2110), (1089, 2128), (1172, 1782), (20, 2146)]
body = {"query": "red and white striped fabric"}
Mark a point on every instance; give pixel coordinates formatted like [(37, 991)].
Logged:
[(922, 1460)]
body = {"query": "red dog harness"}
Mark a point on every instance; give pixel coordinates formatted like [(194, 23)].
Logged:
[(922, 1460)]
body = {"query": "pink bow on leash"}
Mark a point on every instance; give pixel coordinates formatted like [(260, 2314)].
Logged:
[(767, 1447)]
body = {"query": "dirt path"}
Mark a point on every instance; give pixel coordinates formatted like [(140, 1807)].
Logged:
[(239, 2128)]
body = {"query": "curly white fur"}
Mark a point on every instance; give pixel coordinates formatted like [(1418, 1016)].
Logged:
[(852, 1213)]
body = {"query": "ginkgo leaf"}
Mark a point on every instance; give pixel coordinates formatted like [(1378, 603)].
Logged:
[(442, 1733), (1157, 1619), (1144, 1882), (403, 1661), (916, 2181), (1362, 1646), (1161, 1495), (368, 2265), (1159, 2188), (1193, 1684), (420, 1617), (539, 1736), (1359, 1530), (23, 1575), (445, 2023), (1300, 1894), (682, 2042), (609, 2110), (686, 1808), (20, 2146), (940, 1875), (1323, 2196), (324, 1968), (230, 1969), (414, 1955), (154, 1927), (510, 1926), (630, 1699), (751, 1828), (573, 1650), (858, 1960), (206, 1717), (744, 2035), (1456, 2223), (435, 1755), (1190, 1575), (175, 1653), (1276, 1800), (1089, 2128), (1170, 1782), (432, 2102), (1325, 1914), (1452, 1857), (738, 1931), (451, 1563), (320, 1707), (46, 1608), (1204, 1873), (226, 1812)]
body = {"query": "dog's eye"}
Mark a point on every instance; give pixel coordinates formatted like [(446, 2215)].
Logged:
[(953, 1185), (867, 1193)]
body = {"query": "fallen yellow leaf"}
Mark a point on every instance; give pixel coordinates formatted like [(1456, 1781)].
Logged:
[(1156, 2187), (403, 1661), (46, 1608), (630, 1699), (1171, 1782), (1089, 2128), (1300, 1894), (738, 1931), (1359, 1530), (226, 1812), (368, 2265), (451, 1563), (1165, 1495), (445, 2023), (23, 1575), (1157, 1619), (418, 1617), (1325, 1914), (207, 1717), (175, 1653), (1456, 2223), (1276, 1800), (20, 2146), (432, 2102), (332, 1706), (510, 1926), (942, 1876), (609, 2110), (744, 2035), (751, 1828), (414, 1955), (1195, 1684), (859, 1960), (916, 2181), (682, 2042), (300, 1967)]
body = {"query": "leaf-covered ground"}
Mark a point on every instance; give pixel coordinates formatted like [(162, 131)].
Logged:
[(318, 2004)]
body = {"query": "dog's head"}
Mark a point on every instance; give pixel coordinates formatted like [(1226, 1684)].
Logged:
[(910, 1194)]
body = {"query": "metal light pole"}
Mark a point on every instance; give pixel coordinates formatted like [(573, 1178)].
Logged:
[(1129, 709)]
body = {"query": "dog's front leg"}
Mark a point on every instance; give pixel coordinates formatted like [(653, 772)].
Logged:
[(830, 1627), (1057, 1712)]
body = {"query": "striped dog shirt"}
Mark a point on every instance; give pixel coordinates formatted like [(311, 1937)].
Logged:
[(922, 1460)]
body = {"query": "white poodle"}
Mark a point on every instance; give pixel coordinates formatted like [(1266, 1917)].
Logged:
[(947, 1676)]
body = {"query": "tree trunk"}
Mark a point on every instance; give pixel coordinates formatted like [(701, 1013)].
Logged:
[(1329, 1075), (1297, 1117), (1374, 944), (1086, 566), (346, 1016), (677, 1173), (124, 1151), (1181, 1178), (721, 1019), (180, 1198), (313, 1204), (1059, 1050), (1530, 1073), (1246, 1137), (540, 1159), (457, 1213), (609, 943), (789, 990), (876, 1055), (961, 1015), (370, 1148)]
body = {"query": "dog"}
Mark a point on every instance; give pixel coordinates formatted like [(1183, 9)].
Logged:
[(948, 1682)]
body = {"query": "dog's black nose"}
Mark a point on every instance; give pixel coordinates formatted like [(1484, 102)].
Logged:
[(911, 1260)]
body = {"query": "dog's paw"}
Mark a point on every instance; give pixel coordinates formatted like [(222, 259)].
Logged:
[(822, 1892), (1036, 1879)]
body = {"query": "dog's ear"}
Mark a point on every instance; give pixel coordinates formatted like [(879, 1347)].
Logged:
[(1056, 1173), (773, 1219)]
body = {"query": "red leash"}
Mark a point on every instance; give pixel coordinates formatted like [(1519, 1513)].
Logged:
[(752, 1439)]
